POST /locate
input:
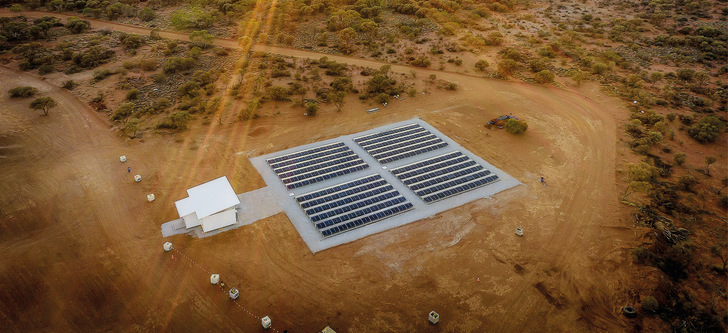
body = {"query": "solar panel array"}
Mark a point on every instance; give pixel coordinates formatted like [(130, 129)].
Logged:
[(398, 143), (314, 165), (352, 204), (444, 176)]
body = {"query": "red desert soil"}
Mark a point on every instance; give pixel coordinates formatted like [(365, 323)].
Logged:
[(82, 249)]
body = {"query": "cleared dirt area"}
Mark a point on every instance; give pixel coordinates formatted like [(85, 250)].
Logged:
[(82, 249)]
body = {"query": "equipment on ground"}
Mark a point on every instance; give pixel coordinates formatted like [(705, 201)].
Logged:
[(234, 293), (519, 231), (215, 278), (137, 178), (150, 197), (434, 317), (265, 321), (167, 246), (122, 158)]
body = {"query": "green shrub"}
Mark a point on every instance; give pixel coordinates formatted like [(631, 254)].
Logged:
[(516, 126), (147, 14), (481, 65), (45, 69), (177, 64), (421, 61), (679, 158), (650, 304), (70, 84), (707, 129), (101, 74), (544, 76), (132, 94), (23, 92)]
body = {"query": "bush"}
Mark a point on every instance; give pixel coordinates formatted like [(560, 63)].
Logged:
[(45, 69), (147, 64), (481, 65), (101, 74), (132, 94), (194, 17), (686, 183), (680, 158), (707, 129), (544, 76), (177, 64), (23, 92), (507, 67), (422, 61), (70, 85), (599, 68), (516, 126), (180, 119), (650, 304), (147, 14)]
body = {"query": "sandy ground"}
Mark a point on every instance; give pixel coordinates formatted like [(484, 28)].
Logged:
[(82, 248)]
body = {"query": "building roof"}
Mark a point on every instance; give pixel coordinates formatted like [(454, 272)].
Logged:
[(208, 198)]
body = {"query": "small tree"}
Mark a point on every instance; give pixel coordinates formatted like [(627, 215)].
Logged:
[(516, 126), (44, 104), (338, 99), (708, 161), (311, 109), (719, 250)]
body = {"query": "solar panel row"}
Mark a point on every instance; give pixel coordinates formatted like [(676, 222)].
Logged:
[(348, 200), (322, 170), (382, 144), (426, 162), (342, 194), (406, 152), (337, 188), (327, 176), (459, 189), (310, 159), (387, 132), (445, 186), (354, 206), (403, 142), (437, 180), (435, 170), (304, 152), (366, 219), (324, 163), (388, 137)]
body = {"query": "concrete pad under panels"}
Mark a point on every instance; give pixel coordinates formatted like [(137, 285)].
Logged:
[(317, 242)]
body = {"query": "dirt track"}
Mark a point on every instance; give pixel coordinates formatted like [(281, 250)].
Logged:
[(82, 249)]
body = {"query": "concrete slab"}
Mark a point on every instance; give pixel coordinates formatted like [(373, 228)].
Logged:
[(316, 242)]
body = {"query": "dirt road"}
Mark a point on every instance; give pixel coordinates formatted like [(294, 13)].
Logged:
[(82, 249)]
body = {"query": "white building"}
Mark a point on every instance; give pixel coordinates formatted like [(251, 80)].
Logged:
[(211, 205)]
